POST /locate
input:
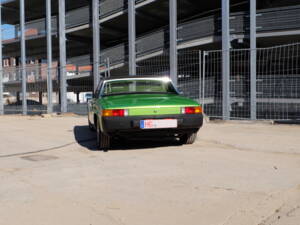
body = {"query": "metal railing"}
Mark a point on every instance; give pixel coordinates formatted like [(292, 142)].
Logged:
[(79, 87), (74, 18)]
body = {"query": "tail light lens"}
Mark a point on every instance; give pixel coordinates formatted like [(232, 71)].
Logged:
[(192, 110), (114, 112)]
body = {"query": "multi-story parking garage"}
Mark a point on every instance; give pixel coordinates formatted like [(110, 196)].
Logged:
[(62, 46)]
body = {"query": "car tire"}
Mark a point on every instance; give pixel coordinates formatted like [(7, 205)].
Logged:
[(189, 139), (103, 141)]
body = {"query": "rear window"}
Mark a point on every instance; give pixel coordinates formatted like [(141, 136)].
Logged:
[(137, 86)]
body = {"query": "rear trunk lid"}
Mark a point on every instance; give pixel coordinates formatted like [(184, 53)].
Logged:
[(148, 104)]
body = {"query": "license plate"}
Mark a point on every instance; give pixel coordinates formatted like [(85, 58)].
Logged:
[(158, 124)]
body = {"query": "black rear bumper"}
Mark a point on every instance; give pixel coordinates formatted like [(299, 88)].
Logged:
[(130, 125)]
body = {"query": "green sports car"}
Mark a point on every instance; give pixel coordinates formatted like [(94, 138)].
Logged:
[(142, 107)]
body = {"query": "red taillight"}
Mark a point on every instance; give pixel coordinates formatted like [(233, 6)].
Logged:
[(192, 110), (114, 112)]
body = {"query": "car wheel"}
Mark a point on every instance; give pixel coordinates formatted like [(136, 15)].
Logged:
[(103, 141), (189, 139)]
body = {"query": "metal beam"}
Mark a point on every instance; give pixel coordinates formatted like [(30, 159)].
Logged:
[(62, 55), (49, 57), (23, 57), (253, 66), (1, 66), (173, 41), (96, 43), (226, 58), (132, 37)]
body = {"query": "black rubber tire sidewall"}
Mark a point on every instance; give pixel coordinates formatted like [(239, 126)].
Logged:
[(103, 141), (188, 139)]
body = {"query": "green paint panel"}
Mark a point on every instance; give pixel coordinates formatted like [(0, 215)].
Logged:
[(147, 104), (149, 111), (144, 101)]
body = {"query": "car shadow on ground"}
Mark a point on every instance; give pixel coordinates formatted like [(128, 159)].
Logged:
[(87, 139)]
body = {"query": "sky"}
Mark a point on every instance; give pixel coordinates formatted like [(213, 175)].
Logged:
[(8, 31), (3, 1)]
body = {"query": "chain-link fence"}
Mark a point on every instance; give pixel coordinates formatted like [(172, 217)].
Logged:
[(239, 83), (189, 70), (79, 79), (35, 88), (277, 83), (199, 77)]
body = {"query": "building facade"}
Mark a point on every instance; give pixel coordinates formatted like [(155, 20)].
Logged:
[(61, 46)]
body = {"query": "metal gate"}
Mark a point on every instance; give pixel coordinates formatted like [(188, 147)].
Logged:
[(277, 83)]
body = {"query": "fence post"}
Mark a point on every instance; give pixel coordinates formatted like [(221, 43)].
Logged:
[(105, 67), (23, 56), (62, 55), (203, 78), (1, 67), (253, 52), (132, 37), (49, 57), (200, 77), (226, 58), (108, 67), (173, 41), (96, 43)]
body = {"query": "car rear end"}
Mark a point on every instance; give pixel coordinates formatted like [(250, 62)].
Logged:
[(143, 107), (155, 121)]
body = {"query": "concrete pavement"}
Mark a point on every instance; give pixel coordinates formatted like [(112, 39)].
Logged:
[(236, 173)]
